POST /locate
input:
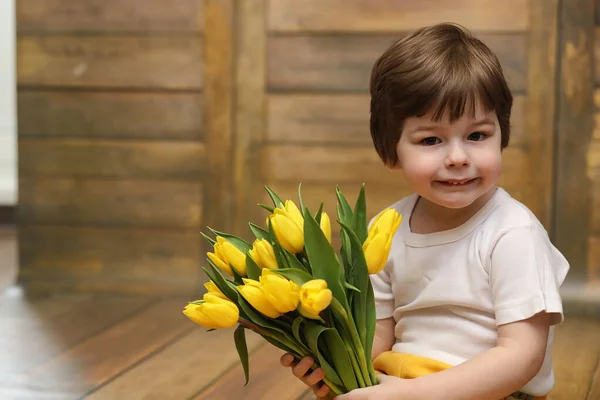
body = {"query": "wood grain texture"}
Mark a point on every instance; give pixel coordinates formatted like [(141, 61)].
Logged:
[(340, 118), (195, 361), (578, 353), (391, 15), (157, 62), (268, 380), (137, 115), (575, 127), (595, 208), (143, 260), (39, 336), (109, 16), (77, 158), (540, 104), (93, 361), (111, 203), (593, 268), (343, 164), (342, 63), (594, 392), (219, 111), (250, 106)]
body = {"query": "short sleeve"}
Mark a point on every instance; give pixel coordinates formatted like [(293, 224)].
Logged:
[(383, 293), (525, 275)]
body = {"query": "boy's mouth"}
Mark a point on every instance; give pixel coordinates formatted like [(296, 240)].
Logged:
[(456, 182)]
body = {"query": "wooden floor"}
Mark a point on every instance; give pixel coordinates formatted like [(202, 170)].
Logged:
[(74, 346)]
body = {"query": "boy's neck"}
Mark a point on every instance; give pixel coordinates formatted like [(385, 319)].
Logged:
[(428, 217)]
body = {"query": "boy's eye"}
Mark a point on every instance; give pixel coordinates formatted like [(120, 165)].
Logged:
[(477, 136), (430, 141)]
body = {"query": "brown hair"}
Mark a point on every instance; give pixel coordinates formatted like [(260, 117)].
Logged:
[(435, 69)]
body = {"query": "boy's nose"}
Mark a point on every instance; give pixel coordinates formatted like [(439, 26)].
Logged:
[(457, 156)]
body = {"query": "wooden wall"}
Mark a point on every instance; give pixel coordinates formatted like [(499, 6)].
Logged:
[(593, 162), (141, 122), (111, 144)]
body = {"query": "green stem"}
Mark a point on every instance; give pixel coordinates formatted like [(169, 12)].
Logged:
[(355, 341)]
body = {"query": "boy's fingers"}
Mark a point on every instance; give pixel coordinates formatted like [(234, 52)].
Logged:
[(287, 360), (302, 367), (321, 391), (314, 377)]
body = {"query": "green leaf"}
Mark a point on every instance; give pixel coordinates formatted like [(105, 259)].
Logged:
[(237, 277), (371, 323), (224, 285), (349, 286), (344, 210), (276, 200), (295, 275), (361, 281), (318, 213), (266, 207), (323, 260), (210, 240), (241, 244), (239, 336), (359, 220), (339, 358), (252, 269), (292, 261), (259, 232), (296, 325), (300, 200)]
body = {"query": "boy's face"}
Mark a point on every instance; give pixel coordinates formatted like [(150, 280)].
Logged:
[(451, 165)]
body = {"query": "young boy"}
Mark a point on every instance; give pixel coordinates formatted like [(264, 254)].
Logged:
[(467, 303)]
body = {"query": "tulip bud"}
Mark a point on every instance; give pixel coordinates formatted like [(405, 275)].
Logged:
[(213, 313), (314, 298), (214, 290), (226, 255), (252, 291), (288, 233), (263, 254), (379, 241), (326, 225), (282, 293)]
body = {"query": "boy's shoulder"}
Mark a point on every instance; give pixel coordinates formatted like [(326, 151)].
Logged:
[(507, 213)]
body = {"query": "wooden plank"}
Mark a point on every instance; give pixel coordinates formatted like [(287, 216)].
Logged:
[(124, 115), (594, 392), (143, 204), (219, 114), (341, 164), (24, 349), (596, 135), (576, 359), (249, 111), (596, 52), (575, 127), (268, 380), (109, 16), (392, 15), (343, 63), (593, 270), (195, 361), (540, 105), (99, 257), (110, 61), (76, 158), (96, 360), (333, 118), (593, 160), (595, 209)]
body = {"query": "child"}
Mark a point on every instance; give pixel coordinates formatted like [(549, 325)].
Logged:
[(467, 303)]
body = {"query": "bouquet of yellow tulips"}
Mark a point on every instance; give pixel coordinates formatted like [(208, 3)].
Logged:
[(291, 287)]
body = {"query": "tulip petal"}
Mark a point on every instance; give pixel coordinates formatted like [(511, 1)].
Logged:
[(325, 225), (233, 256), (376, 253), (220, 263), (257, 299)]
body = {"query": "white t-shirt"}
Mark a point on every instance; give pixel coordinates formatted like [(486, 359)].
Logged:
[(448, 291)]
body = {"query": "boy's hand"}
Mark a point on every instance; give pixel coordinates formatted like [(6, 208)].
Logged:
[(301, 369), (389, 387)]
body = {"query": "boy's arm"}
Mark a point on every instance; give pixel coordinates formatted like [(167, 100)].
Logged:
[(384, 336), (494, 374)]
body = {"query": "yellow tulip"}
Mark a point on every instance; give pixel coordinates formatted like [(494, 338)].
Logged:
[(293, 211), (213, 313), (314, 298), (282, 293), (377, 250), (263, 254), (252, 291), (379, 241), (326, 225), (226, 255), (213, 289), (288, 232)]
